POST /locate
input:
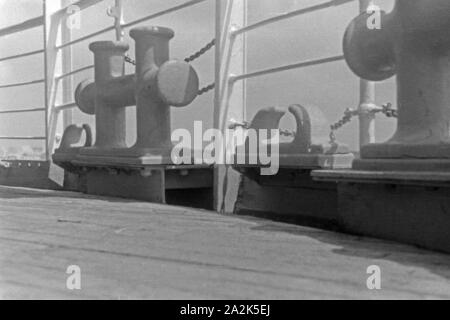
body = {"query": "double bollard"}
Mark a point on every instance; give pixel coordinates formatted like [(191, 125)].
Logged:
[(145, 170), (158, 84)]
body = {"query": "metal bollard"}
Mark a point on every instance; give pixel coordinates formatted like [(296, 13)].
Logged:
[(301, 152), (108, 95), (158, 84), (414, 44)]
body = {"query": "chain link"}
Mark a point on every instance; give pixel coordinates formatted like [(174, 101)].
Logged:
[(193, 57), (287, 133), (348, 116), (129, 60), (246, 125), (385, 109), (206, 89), (388, 111), (234, 124), (202, 91), (201, 52)]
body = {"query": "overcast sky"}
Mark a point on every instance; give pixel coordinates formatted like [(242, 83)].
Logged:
[(331, 87)]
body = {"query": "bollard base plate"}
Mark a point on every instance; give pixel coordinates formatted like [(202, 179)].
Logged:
[(419, 165), (402, 151), (303, 161), (131, 156), (132, 178), (175, 185), (125, 156)]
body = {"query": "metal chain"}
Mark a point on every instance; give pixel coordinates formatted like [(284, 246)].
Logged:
[(201, 52), (206, 89), (202, 91), (246, 125), (235, 124), (348, 116), (197, 55), (193, 57), (288, 133), (388, 111), (129, 60), (385, 109)]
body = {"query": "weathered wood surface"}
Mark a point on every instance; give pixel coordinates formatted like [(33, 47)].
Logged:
[(129, 249)]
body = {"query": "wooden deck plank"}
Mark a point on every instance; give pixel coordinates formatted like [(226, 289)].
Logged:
[(129, 249)]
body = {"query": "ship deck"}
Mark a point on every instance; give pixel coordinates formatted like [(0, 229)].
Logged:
[(128, 249)]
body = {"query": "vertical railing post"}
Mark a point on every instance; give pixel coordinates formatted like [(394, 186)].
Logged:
[(67, 66), (118, 19), (116, 12), (367, 98), (217, 103), (230, 97), (46, 84), (52, 67), (218, 51)]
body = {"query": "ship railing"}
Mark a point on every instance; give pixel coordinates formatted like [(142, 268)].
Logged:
[(231, 29)]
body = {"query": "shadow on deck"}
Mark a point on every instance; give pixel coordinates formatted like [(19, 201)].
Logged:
[(130, 249)]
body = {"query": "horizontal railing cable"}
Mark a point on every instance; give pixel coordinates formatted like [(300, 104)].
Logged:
[(71, 73), (21, 110), (163, 12), (87, 37), (20, 84), (66, 106), (302, 64), (22, 138), (23, 26), (291, 14), (21, 55)]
